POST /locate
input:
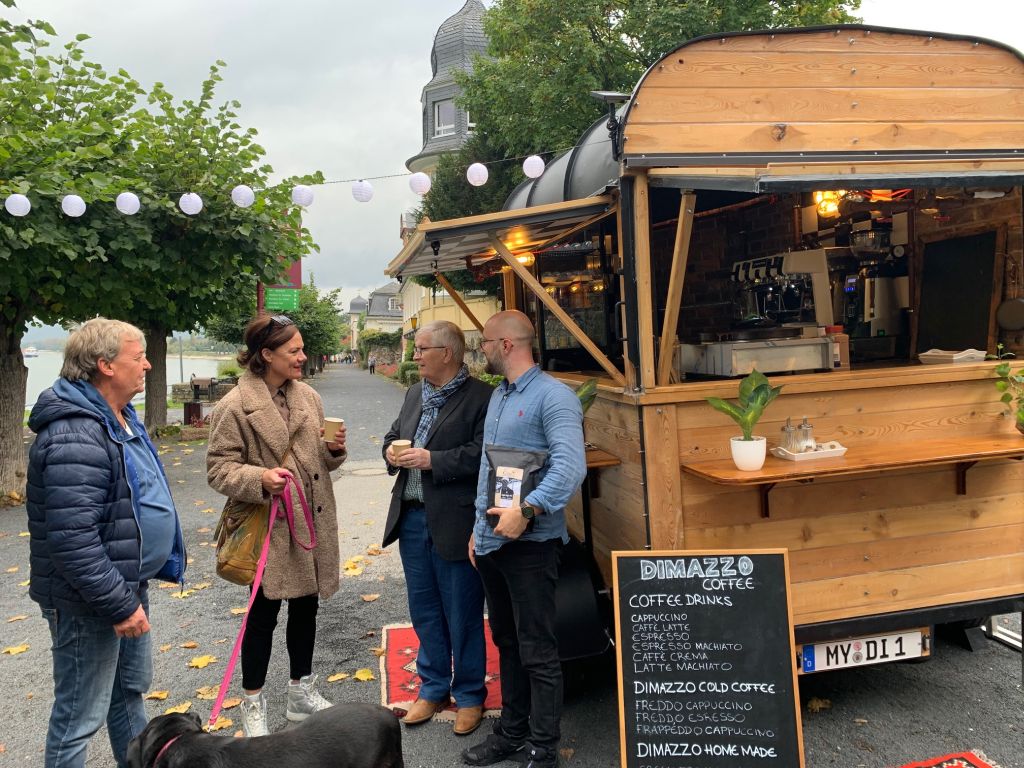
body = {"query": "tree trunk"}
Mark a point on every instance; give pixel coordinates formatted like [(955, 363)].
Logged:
[(156, 378), (13, 378)]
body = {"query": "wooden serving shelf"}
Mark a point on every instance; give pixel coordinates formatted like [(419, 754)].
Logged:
[(963, 452)]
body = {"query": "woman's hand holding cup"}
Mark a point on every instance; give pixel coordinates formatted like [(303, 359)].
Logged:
[(333, 433)]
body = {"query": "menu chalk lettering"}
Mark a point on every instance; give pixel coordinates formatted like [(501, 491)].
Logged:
[(707, 671)]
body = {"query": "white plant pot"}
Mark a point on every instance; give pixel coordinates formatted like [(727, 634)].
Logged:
[(748, 455)]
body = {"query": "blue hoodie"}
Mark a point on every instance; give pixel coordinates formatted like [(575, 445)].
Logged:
[(87, 521)]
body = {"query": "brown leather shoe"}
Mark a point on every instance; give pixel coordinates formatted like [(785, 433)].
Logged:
[(422, 710), (467, 720)]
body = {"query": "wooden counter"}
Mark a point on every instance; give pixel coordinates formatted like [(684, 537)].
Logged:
[(964, 452)]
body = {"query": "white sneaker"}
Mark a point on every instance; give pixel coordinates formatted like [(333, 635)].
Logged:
[(254, 715), (304, 699)]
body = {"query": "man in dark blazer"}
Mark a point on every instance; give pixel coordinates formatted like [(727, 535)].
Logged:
[(431, 516)]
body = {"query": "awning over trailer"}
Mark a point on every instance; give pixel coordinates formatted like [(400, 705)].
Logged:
[(465, 242)]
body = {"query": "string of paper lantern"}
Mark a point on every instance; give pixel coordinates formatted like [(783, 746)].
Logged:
[(243, 196)]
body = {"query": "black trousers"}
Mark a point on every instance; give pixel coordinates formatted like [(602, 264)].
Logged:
[(519, 584), (300, 636)]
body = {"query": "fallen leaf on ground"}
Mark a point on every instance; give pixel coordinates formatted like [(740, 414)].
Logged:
[(180, 482), (24, 583), (378, 652), (374, 550), (238, 611), (166, 585), (202, 585), (184, 594), (189, 644), (369, 598), (860, 721), (189, 450), (204, 543), (208, 692), (239, 734), (351, 568), (199, 662), (179, 708), (369, 522), (156, 695), (29, 695), (221, 641), (567, 753), (207, 511), (16, 618), (190, 561), (204, 529), (231, 703), (165, 648), (817, 705), (14, 650), (24, 533), (13, 569), (199, 502), (222, 722), (3, 749), (176, 464), (338, 676), (364, 675)]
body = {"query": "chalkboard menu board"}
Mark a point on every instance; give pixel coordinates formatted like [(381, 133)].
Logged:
[(707, 672)]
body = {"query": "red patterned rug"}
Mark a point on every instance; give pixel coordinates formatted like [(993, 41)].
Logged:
[(958, 760), (400, 685)]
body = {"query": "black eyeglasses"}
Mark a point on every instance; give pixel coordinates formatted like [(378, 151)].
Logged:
[(419, 350), (276, 321)]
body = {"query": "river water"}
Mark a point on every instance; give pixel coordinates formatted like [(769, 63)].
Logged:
[(44, 370)]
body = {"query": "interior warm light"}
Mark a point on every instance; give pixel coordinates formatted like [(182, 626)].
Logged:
[(827, 202), (526, 259)]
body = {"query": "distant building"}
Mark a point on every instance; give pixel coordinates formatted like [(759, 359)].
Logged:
[(384, 308), (356, 308), (446, 126)]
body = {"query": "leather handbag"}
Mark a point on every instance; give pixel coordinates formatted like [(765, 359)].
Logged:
[(240, 533)]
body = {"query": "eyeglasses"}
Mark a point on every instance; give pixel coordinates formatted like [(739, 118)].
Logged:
[(276, 321), (420, 350), (281, 320)]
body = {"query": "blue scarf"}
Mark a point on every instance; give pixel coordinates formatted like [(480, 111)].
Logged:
[(434, 399)]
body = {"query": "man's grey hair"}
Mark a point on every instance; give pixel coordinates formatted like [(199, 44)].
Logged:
[(92, 341), (445, 333)]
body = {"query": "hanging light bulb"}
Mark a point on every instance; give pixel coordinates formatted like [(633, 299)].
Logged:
[(362, 191), (72, 205), (243, 196), (17, 205), (302, 195), (476, 174), (533, 166), (526, 259), (190, 203), (128, 203), (827, 202), (419, 183)]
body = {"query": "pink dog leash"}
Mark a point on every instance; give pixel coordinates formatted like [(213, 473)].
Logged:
[(288, 513)]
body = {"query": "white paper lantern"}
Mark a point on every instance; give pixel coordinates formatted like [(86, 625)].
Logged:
[(72, 205), (128, 203), (533, 166), (362, 191), (477, 174), (191, 203), (243, 196), (419, 183), (17, 205), (302, 195)]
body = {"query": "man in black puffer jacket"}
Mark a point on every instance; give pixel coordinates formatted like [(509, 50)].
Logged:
[(102, 523)]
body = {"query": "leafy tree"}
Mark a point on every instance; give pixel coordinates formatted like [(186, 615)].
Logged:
[(545, 56), (66, 126)]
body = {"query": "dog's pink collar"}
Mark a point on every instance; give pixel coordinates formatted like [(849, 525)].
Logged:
[(164, 749)]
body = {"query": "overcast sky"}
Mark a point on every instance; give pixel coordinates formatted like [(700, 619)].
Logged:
[(334, 85)]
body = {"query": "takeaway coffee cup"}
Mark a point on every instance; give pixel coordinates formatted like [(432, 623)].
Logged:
[(398, 446), (331, 427)]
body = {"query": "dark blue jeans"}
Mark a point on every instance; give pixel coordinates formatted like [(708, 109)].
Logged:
[(446, 604), (519, 581), (97, 677)]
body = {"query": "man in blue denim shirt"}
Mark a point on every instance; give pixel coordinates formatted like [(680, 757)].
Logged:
[(519, 565)]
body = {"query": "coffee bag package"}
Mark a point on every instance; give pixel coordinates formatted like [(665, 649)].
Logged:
[(508, 482)]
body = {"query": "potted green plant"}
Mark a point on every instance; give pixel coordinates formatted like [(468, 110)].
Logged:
[(1011, 384), (748, 450)]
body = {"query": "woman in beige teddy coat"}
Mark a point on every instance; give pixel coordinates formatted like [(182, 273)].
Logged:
[(248, 459)]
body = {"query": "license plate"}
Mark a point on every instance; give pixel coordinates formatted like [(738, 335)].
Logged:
[(861, 651)]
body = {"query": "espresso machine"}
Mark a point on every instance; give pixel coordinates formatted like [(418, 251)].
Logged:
[(783, 300)]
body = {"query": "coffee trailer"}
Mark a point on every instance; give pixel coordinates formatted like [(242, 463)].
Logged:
[(751, 190)]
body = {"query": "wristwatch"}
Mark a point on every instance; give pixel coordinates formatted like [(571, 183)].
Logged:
[(529, 511)]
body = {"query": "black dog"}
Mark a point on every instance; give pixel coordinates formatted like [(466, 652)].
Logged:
[(346, 735)]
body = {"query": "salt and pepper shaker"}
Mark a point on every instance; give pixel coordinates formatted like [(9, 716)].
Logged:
[(789, 438), (806, 441)]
